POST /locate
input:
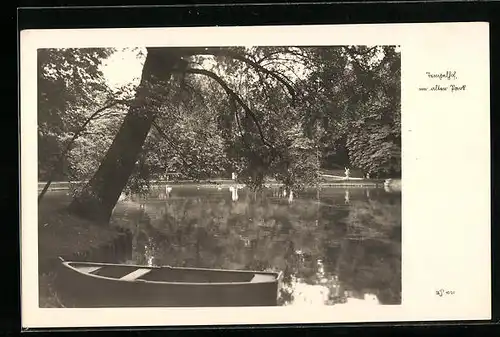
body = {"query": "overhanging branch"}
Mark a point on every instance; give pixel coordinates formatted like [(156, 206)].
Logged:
[(229, 53), (233, 95)]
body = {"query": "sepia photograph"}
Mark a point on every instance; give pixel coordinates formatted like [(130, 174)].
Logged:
[(219, 176), (263, 175)]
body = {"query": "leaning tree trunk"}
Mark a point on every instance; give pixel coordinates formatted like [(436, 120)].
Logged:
[(98, 198)]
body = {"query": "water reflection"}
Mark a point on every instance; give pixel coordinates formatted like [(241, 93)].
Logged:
[(333, 246), (347, 198), (234, 192)]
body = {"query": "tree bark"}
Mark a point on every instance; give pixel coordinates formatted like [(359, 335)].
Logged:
[(98, 198)]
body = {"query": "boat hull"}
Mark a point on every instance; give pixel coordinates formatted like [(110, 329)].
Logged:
[(85, 291)]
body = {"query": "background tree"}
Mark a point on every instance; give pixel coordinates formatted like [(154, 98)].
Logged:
[(69, 82), (73, 95), (353, 97), (374, 142)]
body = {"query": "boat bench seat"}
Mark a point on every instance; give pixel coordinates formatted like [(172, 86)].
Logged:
[(135, 274), (258, 278), (89, 270)]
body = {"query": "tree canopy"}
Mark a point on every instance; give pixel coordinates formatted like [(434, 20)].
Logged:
[(263, 112)]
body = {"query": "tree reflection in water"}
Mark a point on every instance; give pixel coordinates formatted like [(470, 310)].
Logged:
[(328, 251)]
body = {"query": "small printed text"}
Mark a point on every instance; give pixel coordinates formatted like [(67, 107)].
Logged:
[(443, 292)]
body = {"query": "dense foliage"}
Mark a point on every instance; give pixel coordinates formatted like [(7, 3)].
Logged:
[(264, 112), (70, 85), (352, 100)]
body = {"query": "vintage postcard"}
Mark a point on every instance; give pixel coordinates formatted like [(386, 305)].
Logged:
[(255, 175)]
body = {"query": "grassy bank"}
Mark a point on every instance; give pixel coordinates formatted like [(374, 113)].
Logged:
[(62, 234)]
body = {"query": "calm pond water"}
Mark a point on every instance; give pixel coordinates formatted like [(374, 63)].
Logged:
[(334, 245)]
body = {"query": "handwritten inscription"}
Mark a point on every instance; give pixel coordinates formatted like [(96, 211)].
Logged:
[(443, 292), (443, 85), (448, 75)]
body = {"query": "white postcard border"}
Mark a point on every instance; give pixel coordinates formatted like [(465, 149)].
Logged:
[(445, 165)]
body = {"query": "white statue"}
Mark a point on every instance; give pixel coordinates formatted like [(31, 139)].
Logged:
[(347, 171)]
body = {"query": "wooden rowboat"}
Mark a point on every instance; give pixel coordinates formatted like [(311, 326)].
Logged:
[(89, 284)]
